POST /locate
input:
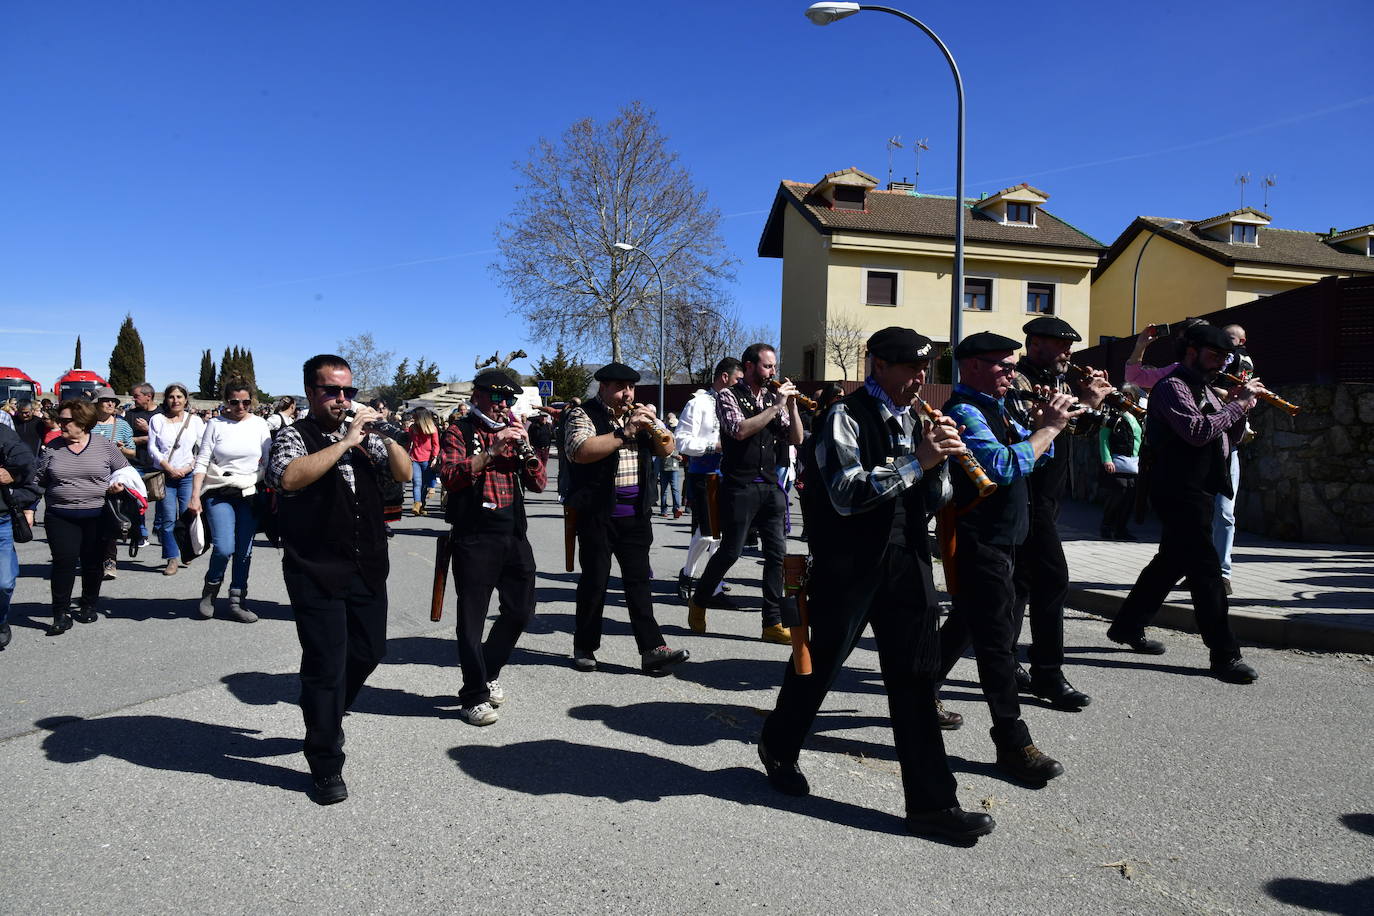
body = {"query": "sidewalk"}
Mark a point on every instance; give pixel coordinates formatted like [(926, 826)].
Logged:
[(1295, 596)]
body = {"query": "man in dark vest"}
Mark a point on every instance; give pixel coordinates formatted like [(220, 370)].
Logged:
[(1042, 574), (988, 532), (486, 478), (757, 425), (1192, 435), (877, 477), (610, 492), (328, 473)]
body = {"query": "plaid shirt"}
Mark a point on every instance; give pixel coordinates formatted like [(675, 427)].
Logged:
[(499, 478), (1004, 463), (288, 446), (580, 429), (731, 414)]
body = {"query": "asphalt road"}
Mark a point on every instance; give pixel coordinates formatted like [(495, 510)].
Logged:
[(150, 764)]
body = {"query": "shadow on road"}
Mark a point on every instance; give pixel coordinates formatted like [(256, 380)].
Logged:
[(1329, 896), (258, 688), (165, 743)]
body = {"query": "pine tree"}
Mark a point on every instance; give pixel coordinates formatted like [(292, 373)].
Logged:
[(127, 364), (76, 360), (570, 378), (207, 376)]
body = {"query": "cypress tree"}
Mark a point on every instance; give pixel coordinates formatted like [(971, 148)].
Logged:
[(207, 375), (127, 364), (226, 366), (76, 360)]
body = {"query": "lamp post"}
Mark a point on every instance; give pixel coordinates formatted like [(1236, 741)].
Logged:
[(826, 13), (1172, 224), (662, 382)]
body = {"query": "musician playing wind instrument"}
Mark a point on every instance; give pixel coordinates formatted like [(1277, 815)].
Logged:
[(758, 423), (611, 442)]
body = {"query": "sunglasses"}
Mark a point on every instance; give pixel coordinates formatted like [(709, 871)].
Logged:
[(1008, 368), (237, 402), (499, 398), (333, 391)]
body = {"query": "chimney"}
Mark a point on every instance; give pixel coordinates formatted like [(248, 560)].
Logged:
[(905, 187)]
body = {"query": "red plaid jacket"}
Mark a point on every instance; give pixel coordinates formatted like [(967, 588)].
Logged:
[(498, 478)]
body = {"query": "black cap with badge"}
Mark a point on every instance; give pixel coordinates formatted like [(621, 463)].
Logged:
[(985, 342), (496, 380), (616, 372), (900, 345), (1050, 326)]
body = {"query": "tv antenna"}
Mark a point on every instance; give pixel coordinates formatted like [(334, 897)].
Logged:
[(1243, 179), (1268, 181), (921, 144), (892, 143)]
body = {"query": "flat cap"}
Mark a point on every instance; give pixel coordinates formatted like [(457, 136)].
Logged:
[(1050, 326), (1208, 335), (105, 394), (985, 342), (900, 345), (496, 380), (616, 372)]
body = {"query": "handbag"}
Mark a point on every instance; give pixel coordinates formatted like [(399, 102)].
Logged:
[(156, 481), (19, 524)]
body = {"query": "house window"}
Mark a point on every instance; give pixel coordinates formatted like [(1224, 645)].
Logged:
[(1370, 252), (977, 295), (848, 197), (1244, 234), (881, 288), (1040, 298), (809, 364), (1021, 213)]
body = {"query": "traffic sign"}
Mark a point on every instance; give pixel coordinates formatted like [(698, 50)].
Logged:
[(545, 387)]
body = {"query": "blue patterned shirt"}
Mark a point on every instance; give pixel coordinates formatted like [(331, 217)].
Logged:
[(1004, 463)]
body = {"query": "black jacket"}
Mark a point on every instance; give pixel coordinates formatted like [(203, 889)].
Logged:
[(16, 458)]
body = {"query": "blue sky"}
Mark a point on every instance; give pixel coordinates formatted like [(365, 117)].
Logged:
[(283, 175)]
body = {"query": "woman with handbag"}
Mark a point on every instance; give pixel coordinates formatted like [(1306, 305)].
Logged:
[(229, 468), (424, 453), (74, 478), (173, 437)]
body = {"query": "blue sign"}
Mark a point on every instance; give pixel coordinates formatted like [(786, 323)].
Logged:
[(545, 388)]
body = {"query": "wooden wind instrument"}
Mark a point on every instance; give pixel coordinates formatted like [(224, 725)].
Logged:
[(443, 553), (802, 399), (661, 434), (1115, 398), (794, 576), (1268, 397), (569, 537), (971, 467), (713, 504)]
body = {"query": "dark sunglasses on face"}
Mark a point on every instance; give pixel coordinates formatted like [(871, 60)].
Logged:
[(1008, 368), (333, 391), (238, 402), (499, 398)]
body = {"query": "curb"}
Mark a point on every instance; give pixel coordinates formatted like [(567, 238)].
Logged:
[(1249, 627)]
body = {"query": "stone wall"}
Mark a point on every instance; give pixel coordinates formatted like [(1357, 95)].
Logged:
[(1306, 478)]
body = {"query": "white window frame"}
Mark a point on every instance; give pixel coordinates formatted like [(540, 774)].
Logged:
[(1008, 221)]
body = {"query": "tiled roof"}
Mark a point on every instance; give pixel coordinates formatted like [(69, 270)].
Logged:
[(1281, 247), (1020, 187), (1243, 210), (901, 213)]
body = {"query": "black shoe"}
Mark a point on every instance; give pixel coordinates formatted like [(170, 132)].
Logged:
[(1029, 764), (329, 790), (61, 623), (85, 614), (787, 778), (722, 602), (1023, 680), (583, 660), (949, 721), (951, 824), (1234, 671), (1055, 689), (685, 586), (657, 661), (5, 636), (1137, 641)]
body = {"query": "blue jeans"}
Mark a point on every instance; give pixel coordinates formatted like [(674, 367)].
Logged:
[(169, 509), (669, 482), (1224, 521), (9, 565), (421, 479), (232, 526)]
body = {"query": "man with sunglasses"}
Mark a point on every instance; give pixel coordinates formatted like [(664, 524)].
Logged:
[(988, 531), (328, 469), (486, 480)]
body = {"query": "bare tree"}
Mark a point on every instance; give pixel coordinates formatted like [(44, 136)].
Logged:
[(371, 366), (844, 342), (598, 185)]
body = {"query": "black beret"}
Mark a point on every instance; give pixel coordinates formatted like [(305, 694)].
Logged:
[(1050, 326), (985, 342), (900, 345), (1208, 335), (496, 380), (616, 372)]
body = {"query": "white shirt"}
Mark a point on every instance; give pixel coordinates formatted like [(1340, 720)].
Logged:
[(698, 427), (235, 448), (163, 433)]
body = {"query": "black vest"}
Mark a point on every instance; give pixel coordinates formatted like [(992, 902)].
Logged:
[(742, 460), (1004, 517), (1177, 467), (592, 490), (464, 508), (331, 533)]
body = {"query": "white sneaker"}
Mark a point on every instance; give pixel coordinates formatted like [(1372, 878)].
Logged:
[(498, 696), (481, 714)]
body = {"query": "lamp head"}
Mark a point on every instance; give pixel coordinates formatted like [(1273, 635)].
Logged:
[(1173, 225), (624, 246), (826, 13)]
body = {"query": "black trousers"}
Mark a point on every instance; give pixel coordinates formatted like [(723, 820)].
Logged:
[(483, 563), (342, 640), (743, 506), (694, 486), (1185, 549), (894, 604), (1041, 580), (984, 616), (1116, 512), (628, 539), (70, 540)]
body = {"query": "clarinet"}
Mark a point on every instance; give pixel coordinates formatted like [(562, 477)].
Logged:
[(1115, 399), (802, 399), (524, 452), (974, 470), (1085, 412), (1268, 397)]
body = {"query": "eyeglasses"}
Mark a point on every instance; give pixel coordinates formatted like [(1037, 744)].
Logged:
[(238, 402), (498, 398), (333, 391), (1008, 368)]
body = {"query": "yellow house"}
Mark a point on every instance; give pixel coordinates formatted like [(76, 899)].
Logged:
[(1192, 268), (856, 259)]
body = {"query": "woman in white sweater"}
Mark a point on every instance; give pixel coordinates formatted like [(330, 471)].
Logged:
[(173, 436), (233, 456)]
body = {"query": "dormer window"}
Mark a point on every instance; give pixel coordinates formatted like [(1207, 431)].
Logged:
[(848, 197), (1021, 213), (1244, 234)]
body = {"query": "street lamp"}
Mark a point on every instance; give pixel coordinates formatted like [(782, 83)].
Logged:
[(826, 13), (662, 382), (1172, 224)]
